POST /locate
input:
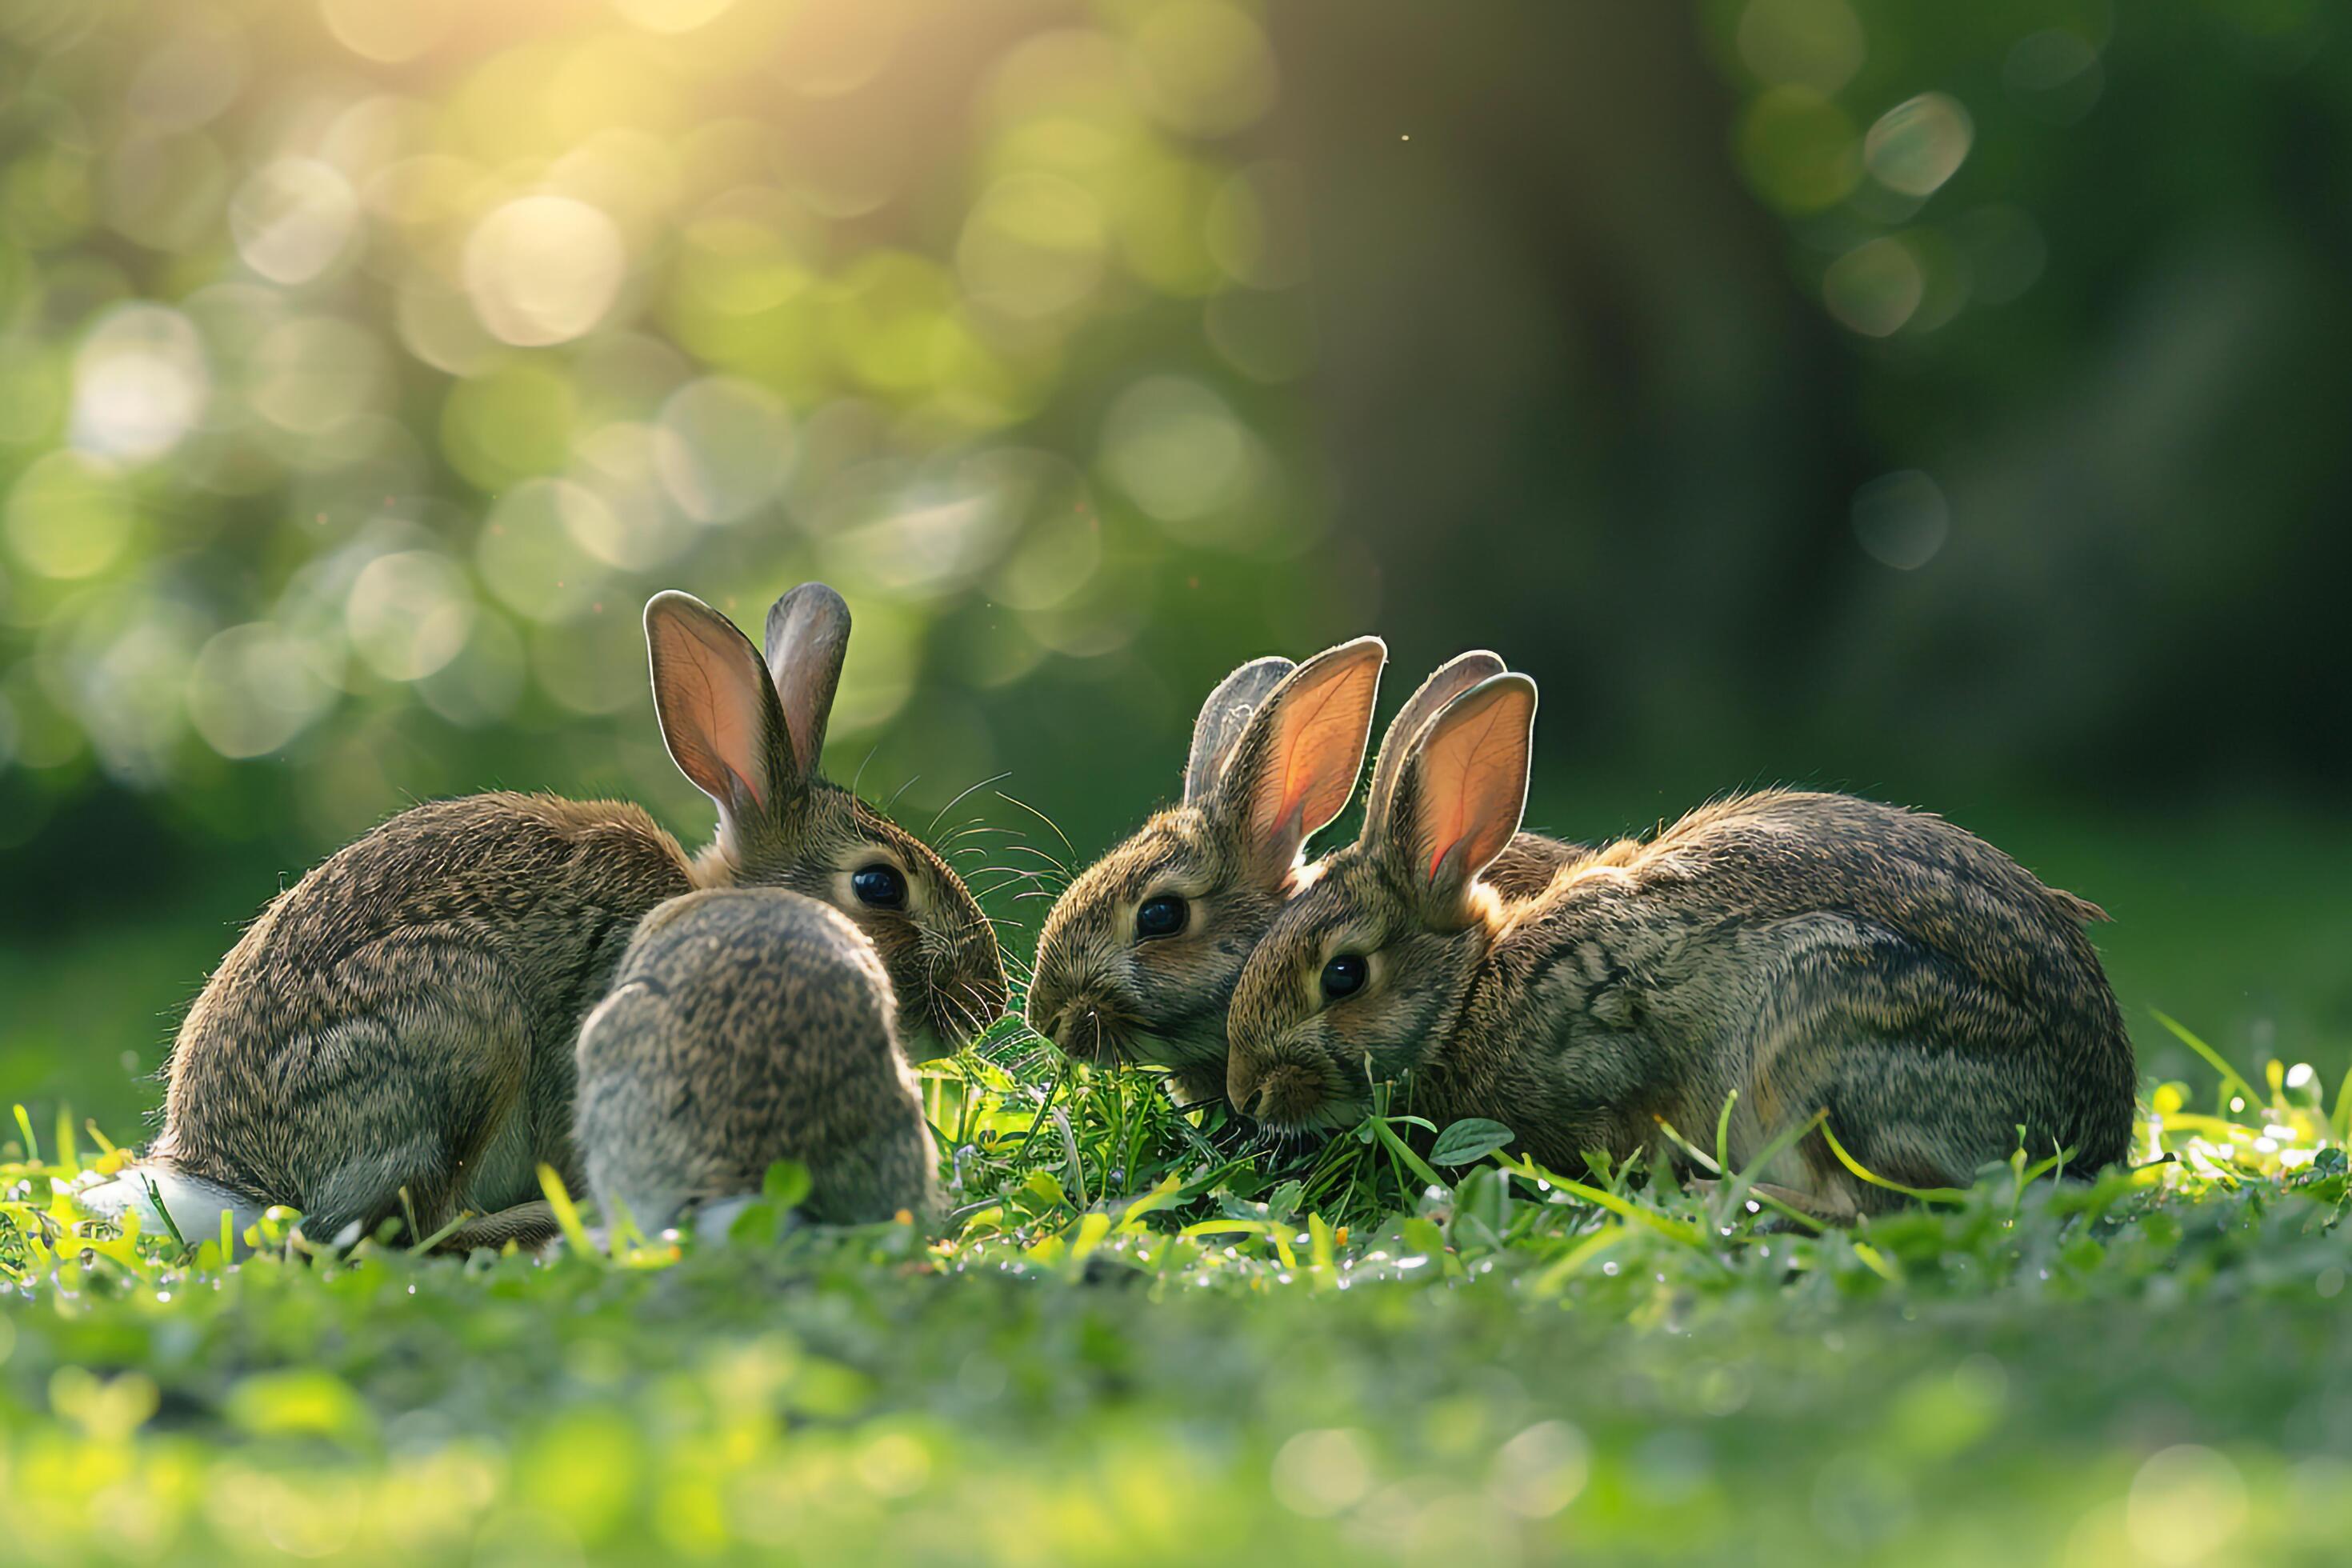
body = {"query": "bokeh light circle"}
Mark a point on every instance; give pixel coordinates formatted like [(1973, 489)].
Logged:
[(1918, 144), (67, 516), (543, 269), (1875, 288), (618, 510), (390, 31), (314, 374), (409, 613), (1174, 447), (530, 553), (672, 15), (722, 448), (293, 218), (253, 689), (141, 380), (1817, 44), (1901, 519), (1033, 245), (1204, 66)]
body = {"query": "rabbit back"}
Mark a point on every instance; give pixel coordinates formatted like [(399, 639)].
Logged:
[(419, 987), (1818, 952), (1530, 862), (747, 1026)]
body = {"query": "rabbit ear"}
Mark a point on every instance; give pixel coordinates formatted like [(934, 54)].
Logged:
[(1460, 795), (1296, 762), (1448, 681), (719, 716), (808, 634), (1222, 718)]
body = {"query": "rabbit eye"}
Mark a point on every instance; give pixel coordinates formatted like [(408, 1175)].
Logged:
[(881, 887), (1345, 976), (1161, 917)]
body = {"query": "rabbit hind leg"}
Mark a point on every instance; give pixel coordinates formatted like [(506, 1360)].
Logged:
[(1917, 1117), (400, 1104), (529, 1226)]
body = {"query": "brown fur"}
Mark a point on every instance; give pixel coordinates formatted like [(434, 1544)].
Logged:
[(747, 1026), (1813, 952), (396, 1032), (1103, 994)]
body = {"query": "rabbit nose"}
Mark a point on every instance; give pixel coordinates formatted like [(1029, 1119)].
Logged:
[(1077, 1027), (1242, 1080), (1044, 1008)]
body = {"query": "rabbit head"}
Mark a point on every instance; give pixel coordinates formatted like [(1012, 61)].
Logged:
[(1137, 959), (749, 734), (1362, 976)]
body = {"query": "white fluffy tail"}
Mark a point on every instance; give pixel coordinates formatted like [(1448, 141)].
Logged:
[(195, 1205)]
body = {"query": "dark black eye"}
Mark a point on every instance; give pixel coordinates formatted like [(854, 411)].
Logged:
[(1161, 917), (1345, 976), (880, 885)]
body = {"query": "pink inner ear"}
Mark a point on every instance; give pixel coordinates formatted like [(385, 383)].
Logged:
[(717, 692), (1473, 781), (1299, 775), (735, 736), (1319, 735)]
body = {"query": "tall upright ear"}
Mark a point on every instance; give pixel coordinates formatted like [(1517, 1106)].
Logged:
[(808, 636), (718, 714), (1448, 681), (1460, 795), (1296, 764), (1222, 719)]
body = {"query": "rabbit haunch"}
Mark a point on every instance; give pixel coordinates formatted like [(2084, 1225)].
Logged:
[(395, 1035), (1813, 952)]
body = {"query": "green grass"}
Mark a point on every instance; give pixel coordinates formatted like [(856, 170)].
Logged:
[(1279, 1361), (1137, 1342)]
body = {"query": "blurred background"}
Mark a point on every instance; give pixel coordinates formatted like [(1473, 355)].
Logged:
[(1945, 403)]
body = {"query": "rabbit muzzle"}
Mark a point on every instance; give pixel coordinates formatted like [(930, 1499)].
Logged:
[(1286, 1094), (1086, 1027)]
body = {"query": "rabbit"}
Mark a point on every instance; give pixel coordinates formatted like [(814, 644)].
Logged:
[(1137, 959), (394, 1035), (1813, 952), (748, 1025)]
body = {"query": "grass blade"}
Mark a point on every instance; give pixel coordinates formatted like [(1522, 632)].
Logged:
[(1404, 1151), (1922, 1195), (1682, 1231), (1697, 1155), (567, 1212), (1556, 1274), (2219, 1064)]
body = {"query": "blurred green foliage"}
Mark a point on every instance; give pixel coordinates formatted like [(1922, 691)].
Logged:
[(368, 366)]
